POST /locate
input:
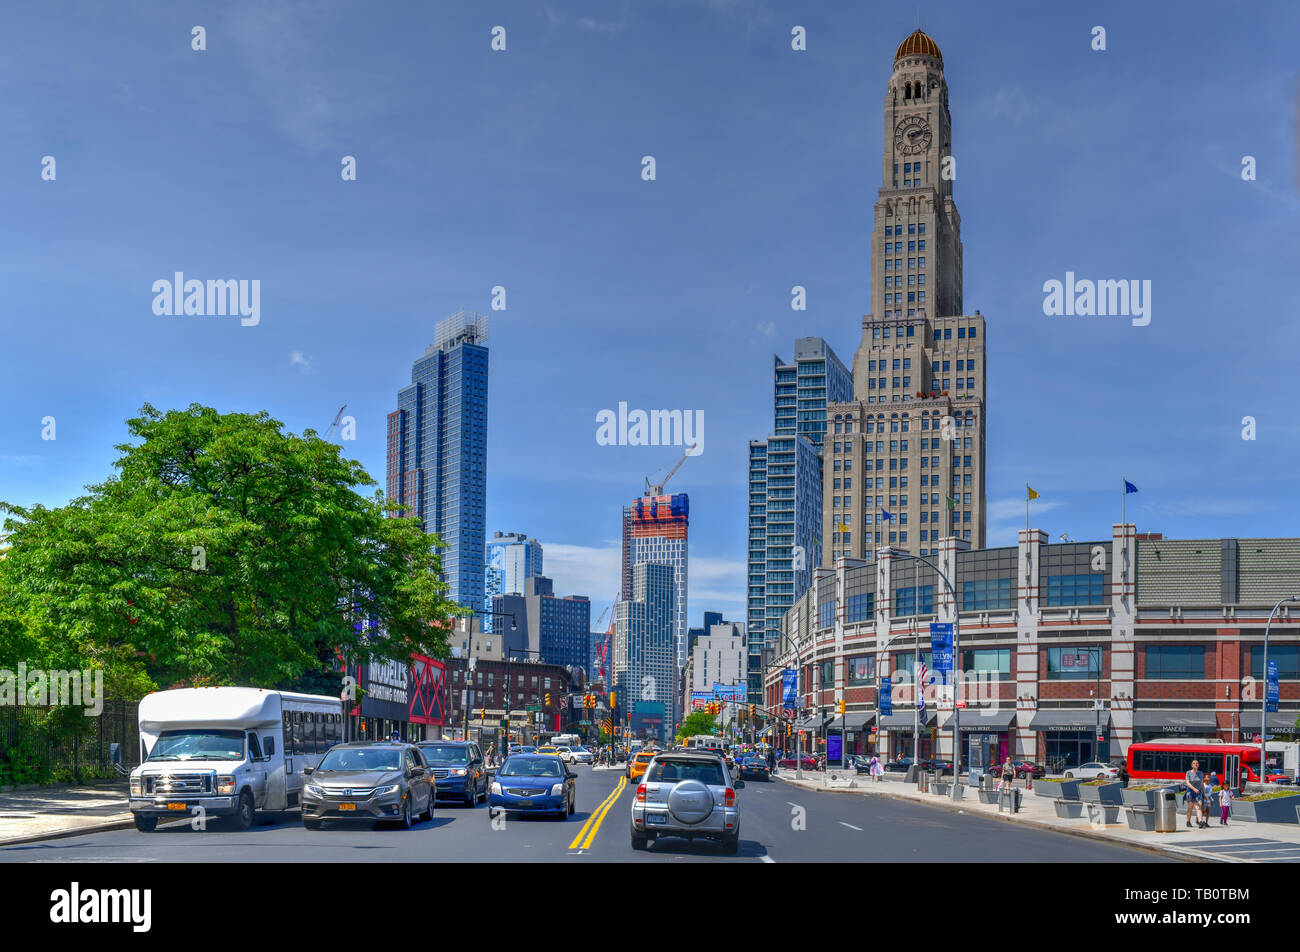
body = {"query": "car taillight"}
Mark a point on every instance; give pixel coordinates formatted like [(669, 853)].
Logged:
[(731, 797), (640, 794)]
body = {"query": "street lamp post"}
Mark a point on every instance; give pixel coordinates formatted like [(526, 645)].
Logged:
[(956, 653), (1263, 708)]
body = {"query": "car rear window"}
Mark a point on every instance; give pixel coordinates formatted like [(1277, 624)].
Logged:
[(673, 771)]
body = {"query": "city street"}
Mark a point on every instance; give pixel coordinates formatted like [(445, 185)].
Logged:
[(780, 823)]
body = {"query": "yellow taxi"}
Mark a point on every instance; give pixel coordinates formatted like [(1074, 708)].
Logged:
[(639, 762), (553, 751)]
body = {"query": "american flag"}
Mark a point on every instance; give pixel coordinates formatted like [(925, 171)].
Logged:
[(920, 690)]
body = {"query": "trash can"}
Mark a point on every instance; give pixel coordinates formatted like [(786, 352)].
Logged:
[(1166, 811), (913, 773)]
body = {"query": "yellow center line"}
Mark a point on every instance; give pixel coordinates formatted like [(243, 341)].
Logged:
[(600, 818), (592, 820)]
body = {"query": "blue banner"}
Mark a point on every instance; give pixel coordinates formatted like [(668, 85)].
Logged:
[(789, 690), (886, 700), (941, 648), (833, 748), (1270, 702)]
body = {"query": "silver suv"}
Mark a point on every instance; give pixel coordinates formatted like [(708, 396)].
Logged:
[(690, 795)]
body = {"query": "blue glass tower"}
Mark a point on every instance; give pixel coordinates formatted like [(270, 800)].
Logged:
[(437, 450)]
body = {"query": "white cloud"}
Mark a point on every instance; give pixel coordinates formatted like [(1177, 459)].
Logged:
[(20, 459), (296, 359), (1011, 103)]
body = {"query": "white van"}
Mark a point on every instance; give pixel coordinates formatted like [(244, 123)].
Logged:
[(228, 751)]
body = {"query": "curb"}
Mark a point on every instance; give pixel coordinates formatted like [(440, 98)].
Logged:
[(1189, 854), (105, 827)]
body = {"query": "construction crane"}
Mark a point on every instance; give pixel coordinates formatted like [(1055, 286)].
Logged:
[(602, 653), (658, 488), (334, 426)]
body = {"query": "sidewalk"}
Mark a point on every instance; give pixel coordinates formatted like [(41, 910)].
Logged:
[(40, 813), (1238, 842)]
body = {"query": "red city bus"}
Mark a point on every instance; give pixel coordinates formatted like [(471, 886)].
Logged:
[(1170, 760)]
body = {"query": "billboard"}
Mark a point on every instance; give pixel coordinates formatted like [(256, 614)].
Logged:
[(699, 699), (427, 677), (729, 692)]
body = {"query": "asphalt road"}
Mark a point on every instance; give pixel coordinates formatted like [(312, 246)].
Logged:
[(780, 823)]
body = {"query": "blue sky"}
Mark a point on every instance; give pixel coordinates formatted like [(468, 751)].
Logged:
[(522, 168)]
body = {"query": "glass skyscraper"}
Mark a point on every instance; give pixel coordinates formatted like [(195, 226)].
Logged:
[(785, 493), (512, 559), (437, 450), (645, 651)]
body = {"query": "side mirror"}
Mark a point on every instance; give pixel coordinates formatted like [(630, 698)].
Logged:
[(739, 785), (308, 771)]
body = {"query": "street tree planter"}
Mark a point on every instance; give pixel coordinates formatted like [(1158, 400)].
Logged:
[(940, 787), (1107, 792), (1276, 808), (1069, 809), (988, 796), (1141, 819), (1069, 789), (1143, 795)]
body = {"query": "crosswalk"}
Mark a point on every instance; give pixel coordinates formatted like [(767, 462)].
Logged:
[(1256, 849)]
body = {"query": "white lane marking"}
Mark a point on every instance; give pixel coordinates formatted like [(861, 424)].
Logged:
[(767, 859), (851, 826)]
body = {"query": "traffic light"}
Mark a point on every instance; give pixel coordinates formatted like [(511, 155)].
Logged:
[(613, 700), (548, 698), (841, 706), (752, 708), (482, 714)]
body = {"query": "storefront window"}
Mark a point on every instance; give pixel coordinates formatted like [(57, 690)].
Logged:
[(861, 669), (1071, 664), (1175, 662), (907, 662), (1286, 656), (988, 659)]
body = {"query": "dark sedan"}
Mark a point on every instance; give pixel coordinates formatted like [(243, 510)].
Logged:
[(753, 765)]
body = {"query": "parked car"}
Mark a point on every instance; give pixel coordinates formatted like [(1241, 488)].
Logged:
[(637, 765), (753, 765), (788, 763), (458, 769), (369, 781), (1023, 768), (899, 764), (690, 795), (534, 783), (1093, 771)]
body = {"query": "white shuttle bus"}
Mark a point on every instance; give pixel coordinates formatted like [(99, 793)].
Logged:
[(228, 751)]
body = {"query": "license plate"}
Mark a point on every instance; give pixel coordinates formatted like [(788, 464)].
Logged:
[(175, 806), (345, 807), (656, 818)]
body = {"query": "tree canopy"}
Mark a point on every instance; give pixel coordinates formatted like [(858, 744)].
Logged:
[(223, 550)]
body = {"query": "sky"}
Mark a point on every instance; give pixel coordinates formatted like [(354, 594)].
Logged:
[(522, 169)]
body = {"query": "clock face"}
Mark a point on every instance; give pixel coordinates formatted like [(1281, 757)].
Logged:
[(912, 135)]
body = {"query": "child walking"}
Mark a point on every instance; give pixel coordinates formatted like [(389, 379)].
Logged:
[(1225, 801)]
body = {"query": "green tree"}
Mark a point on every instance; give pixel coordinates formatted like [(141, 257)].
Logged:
[(224, 551), (697, 722)]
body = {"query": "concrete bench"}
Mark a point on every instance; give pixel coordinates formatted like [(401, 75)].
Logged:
[(1068, 809), (1142, 819)]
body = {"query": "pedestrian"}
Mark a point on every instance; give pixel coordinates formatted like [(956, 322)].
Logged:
[(1009, 773), (1193, 780), (1225, 802), (877, 768)]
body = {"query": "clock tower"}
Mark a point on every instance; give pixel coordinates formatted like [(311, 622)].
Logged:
[(904, 459), (915, 199)]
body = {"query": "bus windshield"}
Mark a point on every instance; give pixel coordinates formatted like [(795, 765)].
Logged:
[(198, 745)]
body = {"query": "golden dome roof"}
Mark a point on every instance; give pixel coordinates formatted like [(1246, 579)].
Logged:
[(918, 44)]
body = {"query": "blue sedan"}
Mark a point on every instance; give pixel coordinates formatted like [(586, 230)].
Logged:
[(534, 783)]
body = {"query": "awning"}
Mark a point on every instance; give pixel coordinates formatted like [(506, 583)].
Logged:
[(904, 720), (809, 724), (978, 721), (1077, 720), (850, 722), (1175, 722)]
